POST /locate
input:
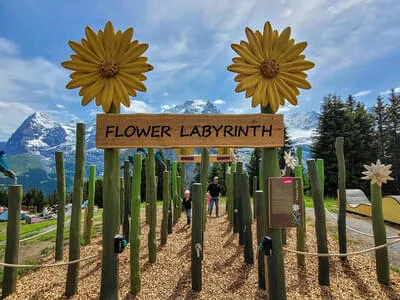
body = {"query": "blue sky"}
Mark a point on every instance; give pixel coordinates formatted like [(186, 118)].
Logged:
[(354, 44)]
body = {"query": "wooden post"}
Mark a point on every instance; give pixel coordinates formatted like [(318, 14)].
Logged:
[(261, 232), (12, 242), (301, 230), (170, 204), (321, 175), (204, 180), (90, 208), (231, 192), (179, 182), (71, 286), (147, 172), (320, 222), (127, 197), (197, 232), (255, 181), (378, 226), (247, 220), (342, 196), (166, 201), (236, 198), (59, 157), (121, 200), (135, 225), (174, 178), (240, 201), (276, 268), (111, 192), (153, 208)]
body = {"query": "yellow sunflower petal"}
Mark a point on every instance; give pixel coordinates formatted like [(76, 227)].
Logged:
[(253, 44), (240, 77), (285, 90), (259, 93), (267, 37), (107, 95), (86, 54), (246, 54), (118, 36), (133, 53), (95, 43), (132, 81), (136, 67), (243, 68), (295, 79), (292, 52), (122, 92), (80, 66), (296, 66), (125, 40), (75, 83), (92, 91), (281, 43), (248, 82), (109, 39)]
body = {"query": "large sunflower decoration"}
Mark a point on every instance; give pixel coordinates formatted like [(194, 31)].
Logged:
[(270, 67), (107, 66)]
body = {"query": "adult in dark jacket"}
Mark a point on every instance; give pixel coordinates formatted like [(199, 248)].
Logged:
[(214, 190)]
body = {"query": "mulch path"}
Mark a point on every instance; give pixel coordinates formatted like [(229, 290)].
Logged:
[(225, 276)]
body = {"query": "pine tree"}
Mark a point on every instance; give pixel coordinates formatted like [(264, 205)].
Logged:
[(334, 121), (288, 147), (351, 103), (393, 137), (254, 167), (216, 170), (196, 177), (380, 125)]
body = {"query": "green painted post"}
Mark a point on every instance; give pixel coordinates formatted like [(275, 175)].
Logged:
[(255, 181), (197, 233), (174, 178), (342, 196), (261, 232), (247, 220), (301, 230), (147, 172), (61, 193), (153, 208), (166, 201), (135, 225), (182, 172), (321, 175), (378, 226), (71, 286), (320, 222), (170, 204), (276, 269), (231, 192), (179, 182), (127, 197), (12, 242), (236, 197), (87, 233), (228, 210), (111, 193), (299, 153), (204, 180), (240, 202), (121, 200)]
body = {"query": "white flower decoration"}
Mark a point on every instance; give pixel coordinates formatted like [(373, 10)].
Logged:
[(296, 207), (290, 160), (378, 173)]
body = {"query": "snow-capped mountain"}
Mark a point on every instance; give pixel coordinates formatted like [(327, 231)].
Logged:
[(192, 107), (30, 149)]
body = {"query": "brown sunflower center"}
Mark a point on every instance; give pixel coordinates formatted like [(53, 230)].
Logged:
[(269, 68), (109, 68)]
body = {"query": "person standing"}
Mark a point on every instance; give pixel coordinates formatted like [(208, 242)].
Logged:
[(214, 189), (187, 205)]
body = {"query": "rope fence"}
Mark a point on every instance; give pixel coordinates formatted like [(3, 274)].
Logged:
[(50, 265), (357, 231), (343, 254)]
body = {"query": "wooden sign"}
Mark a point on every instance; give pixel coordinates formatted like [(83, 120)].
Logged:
[(285, 202), (189, 159), (200, 131), (212, 158)]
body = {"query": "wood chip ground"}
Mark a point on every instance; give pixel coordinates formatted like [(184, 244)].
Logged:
[(225, 276)]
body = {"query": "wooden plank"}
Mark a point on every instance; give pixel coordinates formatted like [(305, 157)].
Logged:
[(189, 159), (221, 158), (177, 130), (285, 202)]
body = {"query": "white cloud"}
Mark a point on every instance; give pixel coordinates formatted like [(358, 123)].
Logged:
[(11, 116), (7, 47), (362, 93), (165, 94), (60, 106), (138, 106), (387, 92), (219, 102)]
